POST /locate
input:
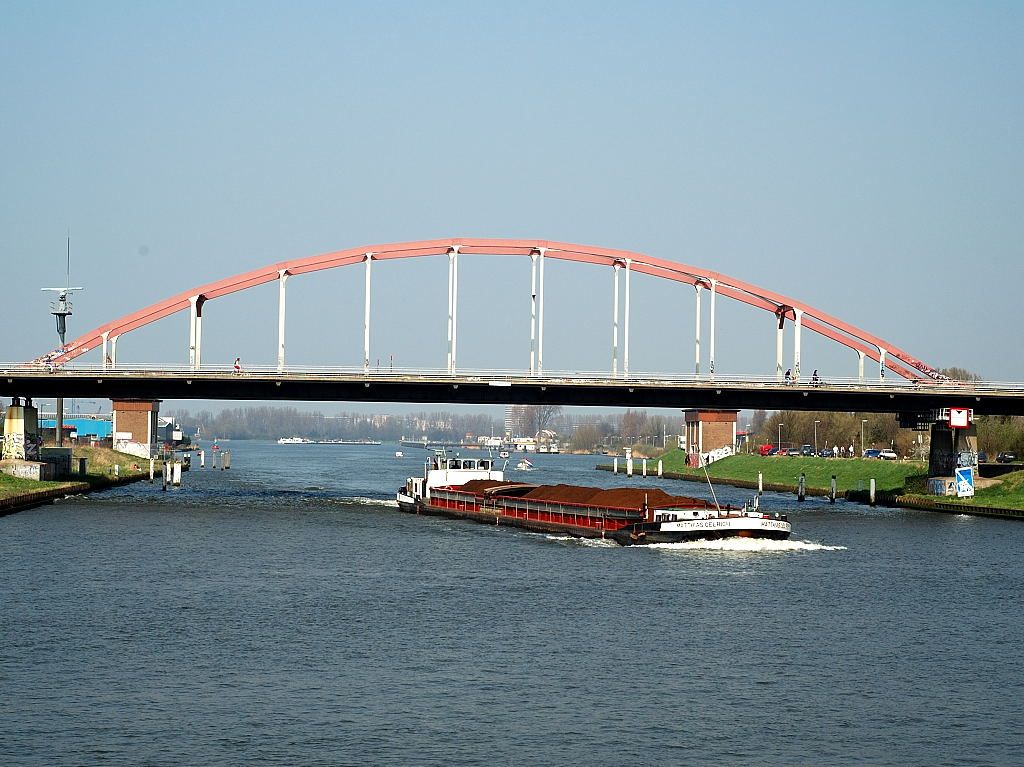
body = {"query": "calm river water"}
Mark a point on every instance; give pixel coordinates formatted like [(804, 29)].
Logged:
[(285, 613)]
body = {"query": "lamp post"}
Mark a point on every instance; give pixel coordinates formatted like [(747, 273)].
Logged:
[(862, 422), (780, 435), (816, 437), (748, 438)]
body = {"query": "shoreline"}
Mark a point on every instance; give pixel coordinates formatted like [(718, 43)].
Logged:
[(35, 498), (887, 498)]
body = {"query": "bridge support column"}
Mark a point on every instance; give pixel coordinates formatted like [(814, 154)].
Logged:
[(540, 314), (946, 447), (860, 366), (21, 432), (615, 319), (282, 279), (797, 325), (625, 340), (113, 351), (779, 342), (711, 336), (106, 356), (696, 326), (195, 331), (135, 426), (366, 315), (533, 313), (539, 310), (881, 363), (453, 305)]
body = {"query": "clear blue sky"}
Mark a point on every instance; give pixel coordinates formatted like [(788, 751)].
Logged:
[(865, 158)]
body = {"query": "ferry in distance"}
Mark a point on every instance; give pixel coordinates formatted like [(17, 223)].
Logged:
[(471, 488)]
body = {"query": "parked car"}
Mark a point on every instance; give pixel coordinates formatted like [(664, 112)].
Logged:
[(807, 450), (767, 450), (826, 452), (793, 451), (1006, 457), (871, 453), (983, 457), (888, 455)]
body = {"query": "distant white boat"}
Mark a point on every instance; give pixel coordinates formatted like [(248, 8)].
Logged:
[(524, 465), (399, 454), (349, 442), (294, 441)]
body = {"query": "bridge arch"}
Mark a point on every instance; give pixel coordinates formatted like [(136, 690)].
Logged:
[(801, 315)]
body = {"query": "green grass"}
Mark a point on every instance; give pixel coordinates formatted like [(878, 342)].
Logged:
[(99, 470), (851, 473), (1008, 494), (14, 486)]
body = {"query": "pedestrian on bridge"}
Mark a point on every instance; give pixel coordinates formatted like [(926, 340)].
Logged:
[(789, 376), (238, 366)]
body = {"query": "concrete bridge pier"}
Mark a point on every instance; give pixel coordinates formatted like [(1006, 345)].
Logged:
[(21, 431), (947, 445)]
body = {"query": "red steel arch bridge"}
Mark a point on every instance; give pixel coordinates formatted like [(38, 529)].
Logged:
[(910, 385)]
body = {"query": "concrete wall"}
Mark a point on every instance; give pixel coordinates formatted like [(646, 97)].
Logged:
[(35, 470)]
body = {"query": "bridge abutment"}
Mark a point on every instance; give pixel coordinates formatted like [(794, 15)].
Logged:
[(21, 431)]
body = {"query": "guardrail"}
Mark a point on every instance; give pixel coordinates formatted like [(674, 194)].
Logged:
[(499, 376)]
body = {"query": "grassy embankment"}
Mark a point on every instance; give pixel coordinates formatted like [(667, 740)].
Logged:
[(851, 473), (903, 477), (100, 472)]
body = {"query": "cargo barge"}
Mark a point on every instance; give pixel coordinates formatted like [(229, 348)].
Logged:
[(473, 489)]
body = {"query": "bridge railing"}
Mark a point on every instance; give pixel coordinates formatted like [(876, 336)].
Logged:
[(508, 376)]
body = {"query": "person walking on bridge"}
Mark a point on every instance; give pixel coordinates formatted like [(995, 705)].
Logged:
[(238, 366)]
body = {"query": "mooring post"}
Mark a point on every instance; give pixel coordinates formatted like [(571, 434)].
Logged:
[(152, 469), (660, 468), (872, 491), (615, 465), (832, 490), (801, 488), (760, 483), (643, 466), (202, 459)]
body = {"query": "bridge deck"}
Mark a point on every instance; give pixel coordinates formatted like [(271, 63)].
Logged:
[(508, 387)]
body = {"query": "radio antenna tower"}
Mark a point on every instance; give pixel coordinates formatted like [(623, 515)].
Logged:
[(61, 308)]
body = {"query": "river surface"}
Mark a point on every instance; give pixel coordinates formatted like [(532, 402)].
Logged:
[(283, 612)]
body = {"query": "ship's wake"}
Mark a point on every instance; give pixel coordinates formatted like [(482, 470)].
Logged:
[(746, 545), (738, 545)]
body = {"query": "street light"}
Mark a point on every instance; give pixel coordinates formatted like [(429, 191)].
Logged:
[(816, 437), (748, 437), (780, 435), (862, 422)]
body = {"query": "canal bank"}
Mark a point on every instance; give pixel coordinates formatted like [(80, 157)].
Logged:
[(889, 491), (30, 499), (106, 469)]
